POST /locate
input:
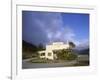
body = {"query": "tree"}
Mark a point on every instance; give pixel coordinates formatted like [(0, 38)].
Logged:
[(65, 54), (62, 54), (72, 45)]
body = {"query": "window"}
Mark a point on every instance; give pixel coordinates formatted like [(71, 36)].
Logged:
[(49, 54), (42, 54)]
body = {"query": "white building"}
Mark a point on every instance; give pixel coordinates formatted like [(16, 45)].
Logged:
[(48, 53)]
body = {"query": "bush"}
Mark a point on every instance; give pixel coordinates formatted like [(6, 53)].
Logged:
[(66, 54)]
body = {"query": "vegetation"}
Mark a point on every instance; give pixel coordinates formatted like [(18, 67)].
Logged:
[(40, 60), (65, 54), (82, 63), (30, 50), (72, 45)]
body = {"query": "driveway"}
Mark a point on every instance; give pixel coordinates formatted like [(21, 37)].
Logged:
[(28, 65)]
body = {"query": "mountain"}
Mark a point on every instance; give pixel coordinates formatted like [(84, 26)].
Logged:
[(28, 47), (30, 50), (82, 51)]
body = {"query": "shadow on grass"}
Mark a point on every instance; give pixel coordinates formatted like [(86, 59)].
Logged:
[(82, 63)]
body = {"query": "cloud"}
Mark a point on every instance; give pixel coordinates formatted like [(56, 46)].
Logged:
[(82, 44), (46, 27), (52, 25)]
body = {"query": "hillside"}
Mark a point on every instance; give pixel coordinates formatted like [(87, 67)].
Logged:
[(30, 50), (83, 51)]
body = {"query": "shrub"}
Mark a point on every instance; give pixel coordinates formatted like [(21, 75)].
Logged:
[(66, 54)]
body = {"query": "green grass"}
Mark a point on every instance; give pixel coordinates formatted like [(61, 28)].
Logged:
[(82, 63), (40, 60)]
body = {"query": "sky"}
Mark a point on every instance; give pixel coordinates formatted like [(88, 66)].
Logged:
[(47, 27)]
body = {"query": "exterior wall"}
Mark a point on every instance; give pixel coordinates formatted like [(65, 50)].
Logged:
[(50, 48), (57, 46), (42, 56), (46, 54), (40, 52), (49, 57)]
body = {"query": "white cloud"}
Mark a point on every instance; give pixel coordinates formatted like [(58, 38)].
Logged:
[(53, 25), (55, 30), (82, 44)]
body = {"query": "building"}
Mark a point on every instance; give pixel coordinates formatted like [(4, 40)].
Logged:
[(48, 53)]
